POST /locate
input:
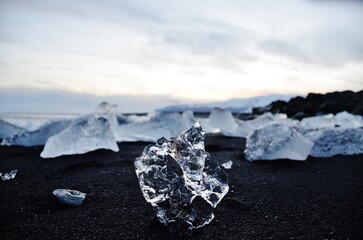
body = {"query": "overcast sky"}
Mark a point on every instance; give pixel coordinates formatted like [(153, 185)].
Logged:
[(146, 54)]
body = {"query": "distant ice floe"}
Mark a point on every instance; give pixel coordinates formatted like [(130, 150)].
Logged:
[(7, 129), (37, 137), (269, 136)]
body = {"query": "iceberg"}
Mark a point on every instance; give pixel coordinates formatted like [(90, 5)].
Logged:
[(330, 142), (276, 141), (7, 129), (84, 135), (180, 180)]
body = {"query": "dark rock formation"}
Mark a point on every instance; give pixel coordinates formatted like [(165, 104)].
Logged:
[(317, 104)]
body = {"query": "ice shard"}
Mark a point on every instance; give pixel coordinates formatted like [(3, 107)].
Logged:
[(84, 135), (180, 180), (276, 141), (9, 175)]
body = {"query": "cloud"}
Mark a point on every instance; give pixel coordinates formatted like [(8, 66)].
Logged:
[(56, 101)]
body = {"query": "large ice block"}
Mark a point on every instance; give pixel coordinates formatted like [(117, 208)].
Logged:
[(84, 135), (330, 142), (277, 141)]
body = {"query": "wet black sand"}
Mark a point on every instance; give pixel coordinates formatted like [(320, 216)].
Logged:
[(315, 199)]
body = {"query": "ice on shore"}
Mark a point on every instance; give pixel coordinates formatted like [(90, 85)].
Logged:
[(38, 137), (180, 180), (69, 197), (227, 165), (342, 119), (9, 175), (151, 128), (83, 136), (275, 141), (7, 129), (331, 142)]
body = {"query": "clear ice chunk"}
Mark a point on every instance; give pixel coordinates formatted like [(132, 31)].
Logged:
[(277, 141), (330, 142), (227, 165), (180, 180), (9, 175), (69, 197), (83, 136)]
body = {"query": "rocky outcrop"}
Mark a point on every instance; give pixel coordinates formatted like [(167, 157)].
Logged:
[(317, 104)]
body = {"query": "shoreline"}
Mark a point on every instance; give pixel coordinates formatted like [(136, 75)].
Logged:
[(320, 198)]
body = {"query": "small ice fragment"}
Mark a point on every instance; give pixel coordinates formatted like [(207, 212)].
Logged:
[(69, 197), (227, 165), (9, 175), (180, 180), (277, 142)]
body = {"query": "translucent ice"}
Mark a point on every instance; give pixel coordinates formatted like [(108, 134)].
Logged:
[(180, 180), (84, 135), (227, 165), (7, 129), (37, 137), (330, 142), (225, 122), (9, 175), (342, 119), (151, 127), (69, 197), (277, 141)]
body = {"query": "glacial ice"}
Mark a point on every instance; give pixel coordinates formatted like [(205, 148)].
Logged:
[(86, 134), (9, 175), (38, 137), (275, 141), (69, 197), (7, 129), (342, 119), (330, 142), (180, 180), (151, 128), (223, 120)]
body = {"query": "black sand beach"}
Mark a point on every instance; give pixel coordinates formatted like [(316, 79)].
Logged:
[(314, 199)]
